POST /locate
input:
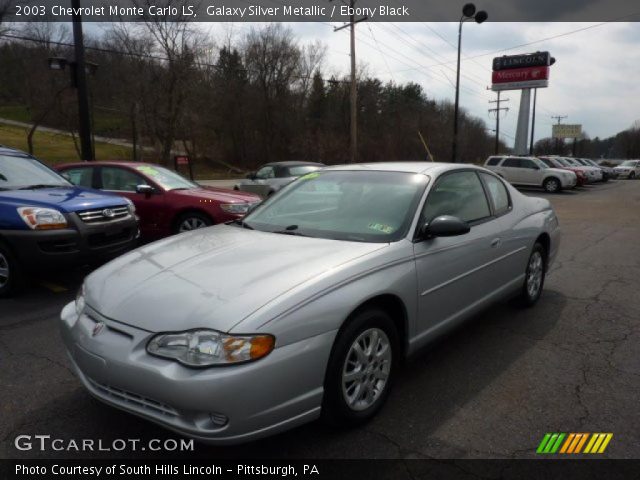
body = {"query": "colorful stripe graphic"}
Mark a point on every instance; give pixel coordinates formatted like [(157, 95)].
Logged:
[(572, 443)]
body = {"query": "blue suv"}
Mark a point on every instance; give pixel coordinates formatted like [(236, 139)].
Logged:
[(48, 223)]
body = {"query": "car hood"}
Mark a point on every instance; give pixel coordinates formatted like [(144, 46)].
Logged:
[(65, 199), (620, 167), (212, 278), (218, 194)]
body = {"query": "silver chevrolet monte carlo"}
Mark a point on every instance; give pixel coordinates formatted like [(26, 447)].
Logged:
[(308, 306)]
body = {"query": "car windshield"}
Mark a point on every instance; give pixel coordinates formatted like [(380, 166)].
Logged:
[(300, 170), (166, 178), (17, 172), (628, 163), (364, 206)]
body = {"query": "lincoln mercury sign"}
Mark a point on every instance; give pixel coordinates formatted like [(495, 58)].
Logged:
[(565, 130), (516, 72)]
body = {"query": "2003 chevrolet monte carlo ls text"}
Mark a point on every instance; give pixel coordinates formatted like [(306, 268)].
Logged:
[(307, 306)]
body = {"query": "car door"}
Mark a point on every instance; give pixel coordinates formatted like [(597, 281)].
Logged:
[(512, 171), (149, 207), (456, 275), (530, 173)]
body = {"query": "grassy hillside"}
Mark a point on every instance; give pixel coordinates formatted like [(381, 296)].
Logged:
[(54, 149)]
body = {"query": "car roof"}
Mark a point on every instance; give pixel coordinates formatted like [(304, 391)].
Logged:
[(408, 167), (13, 152), (293, 163), (107, 163)]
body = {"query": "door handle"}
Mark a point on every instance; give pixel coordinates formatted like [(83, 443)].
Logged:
[(495, 242)]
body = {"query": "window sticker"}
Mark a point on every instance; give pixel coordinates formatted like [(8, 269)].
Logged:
[(381, 227), (310, 176)]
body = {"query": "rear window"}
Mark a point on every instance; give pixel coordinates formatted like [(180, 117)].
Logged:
[(511, 162), (494, 160)]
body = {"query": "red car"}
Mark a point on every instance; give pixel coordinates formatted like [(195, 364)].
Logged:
[(166, 202)]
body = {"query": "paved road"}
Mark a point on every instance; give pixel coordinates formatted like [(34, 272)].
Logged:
[(492, 389)]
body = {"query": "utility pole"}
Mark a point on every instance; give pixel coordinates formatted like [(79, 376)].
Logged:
[(84, 117), (353, 92), (559, 118), (533, 120), (497, 111)]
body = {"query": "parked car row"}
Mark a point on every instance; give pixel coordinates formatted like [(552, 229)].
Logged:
[(550, 172), (96, 211)]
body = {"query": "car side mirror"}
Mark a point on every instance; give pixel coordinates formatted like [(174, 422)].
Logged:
[(251, 175), (445, 226), (145, 189)]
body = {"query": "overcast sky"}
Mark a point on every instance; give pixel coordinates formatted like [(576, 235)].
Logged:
[(594, 81)]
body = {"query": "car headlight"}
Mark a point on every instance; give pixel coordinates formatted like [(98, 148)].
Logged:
[(39, 218), (80, 302), (131, 206), (206, 348), (237, 208)]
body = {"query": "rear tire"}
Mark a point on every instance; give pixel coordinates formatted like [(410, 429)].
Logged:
[(534, 277), (361, 368), (552, 185), (192, 221), (10, 273)]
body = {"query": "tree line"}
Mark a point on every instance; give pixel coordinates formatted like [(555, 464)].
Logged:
[(263, 97)]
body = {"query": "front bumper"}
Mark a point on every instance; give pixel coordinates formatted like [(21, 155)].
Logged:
[(218, 405), (569, 182), (78, 244)]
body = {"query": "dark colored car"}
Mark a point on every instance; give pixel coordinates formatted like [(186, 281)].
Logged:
[(166, 202), (48, 223)]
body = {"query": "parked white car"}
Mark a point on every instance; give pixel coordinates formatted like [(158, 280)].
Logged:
[(594, 174), (531, 172), (628, 169)]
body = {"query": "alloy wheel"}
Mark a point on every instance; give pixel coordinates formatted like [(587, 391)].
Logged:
[(191, 223), (366, 369), (4, 271), (552, 185), (535, 271)]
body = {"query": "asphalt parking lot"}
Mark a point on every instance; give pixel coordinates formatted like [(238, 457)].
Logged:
[(490, 390)]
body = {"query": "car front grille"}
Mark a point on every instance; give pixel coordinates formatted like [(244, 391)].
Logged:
[(101, 239), (103, 214), (129, 398)]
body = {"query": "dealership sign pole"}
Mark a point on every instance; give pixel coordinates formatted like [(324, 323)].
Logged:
[(521, 72)]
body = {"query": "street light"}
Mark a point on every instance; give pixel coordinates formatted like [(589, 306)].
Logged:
[(468, 13)]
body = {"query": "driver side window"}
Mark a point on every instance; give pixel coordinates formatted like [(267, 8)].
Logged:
[(265, 172), (459, 194)]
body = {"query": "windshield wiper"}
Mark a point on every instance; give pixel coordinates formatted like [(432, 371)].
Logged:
[(242, 223), (40, 185), (290, 230)]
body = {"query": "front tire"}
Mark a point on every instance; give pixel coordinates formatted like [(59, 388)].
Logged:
[(10, 274), (192, 221), (632, 175), (535, 274), (552, 185), (361, 368)]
